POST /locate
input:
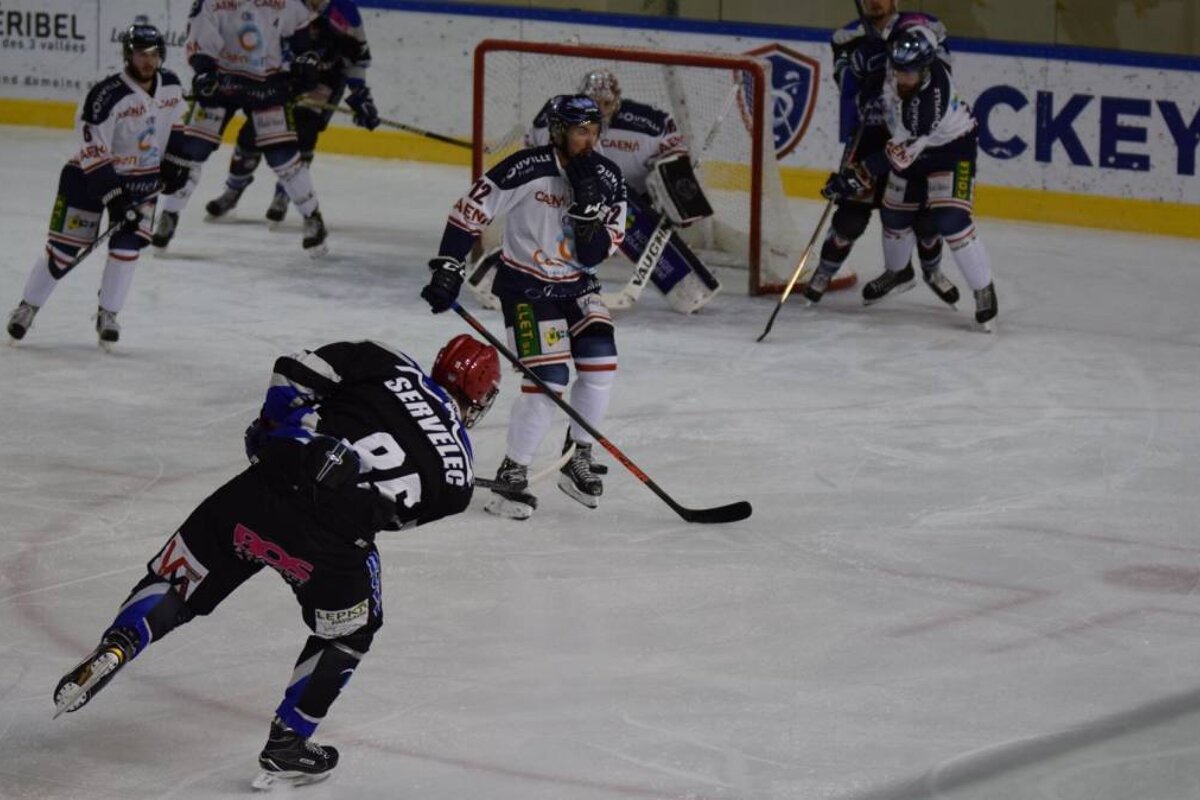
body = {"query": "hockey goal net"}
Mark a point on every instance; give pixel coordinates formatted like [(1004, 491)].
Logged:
[(723, 107)]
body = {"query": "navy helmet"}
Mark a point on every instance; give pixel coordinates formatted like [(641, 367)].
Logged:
[(912, 49), (567, 111), (142, 36)]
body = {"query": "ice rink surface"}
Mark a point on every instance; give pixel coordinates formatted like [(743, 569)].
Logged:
[(971, 572)]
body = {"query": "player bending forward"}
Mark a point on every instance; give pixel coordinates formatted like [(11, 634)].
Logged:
[(931, 155), (565, 207), (353, 438), (236, 50), (123, 126), (337, 61)]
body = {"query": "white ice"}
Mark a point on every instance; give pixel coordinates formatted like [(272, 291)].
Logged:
[(971, 571)]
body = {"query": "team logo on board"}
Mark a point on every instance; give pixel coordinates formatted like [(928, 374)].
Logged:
[(795, 79)]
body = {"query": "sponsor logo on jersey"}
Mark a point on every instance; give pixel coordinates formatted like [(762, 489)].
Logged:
[(552, 200), (177, 564), (622, 145), (962, 180), (252, 547), (133, 111), (342, 622), (250, 38), (795, 81)]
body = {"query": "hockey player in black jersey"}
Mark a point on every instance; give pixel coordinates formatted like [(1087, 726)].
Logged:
[(353, 438), (859, 68), (123, 127), (337, 60), (928, 161)]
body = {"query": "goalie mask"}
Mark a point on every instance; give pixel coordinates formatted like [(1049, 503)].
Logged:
[(602, 86), (469, 371), (566, 112)]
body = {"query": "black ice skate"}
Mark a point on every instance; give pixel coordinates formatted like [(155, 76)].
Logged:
[(942, 286), (278, 208), (289, 758), (315, 235), (510, 492), (222, 205), (81, 684), (107, 327), (888, 283), (164, 232), (985, 307), (20, 320), (578, 478), (816, 287)]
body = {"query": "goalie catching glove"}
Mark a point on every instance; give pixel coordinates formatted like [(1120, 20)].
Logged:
[(675, 190), (445, 279)]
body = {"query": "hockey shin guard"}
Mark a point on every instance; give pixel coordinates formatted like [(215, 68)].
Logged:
[(294, 176), (324, 667)]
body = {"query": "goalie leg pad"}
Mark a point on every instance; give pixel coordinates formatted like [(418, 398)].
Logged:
[(675, 190), (679, 273)]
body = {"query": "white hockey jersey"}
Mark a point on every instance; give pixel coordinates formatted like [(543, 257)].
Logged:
[(531, 190), (635, 138), (121, 125), (245, 36), (932, 117)]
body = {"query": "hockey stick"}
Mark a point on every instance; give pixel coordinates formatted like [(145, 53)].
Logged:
[(107, 232), (727, 513), (808, 251), (549, 469), (657, 242), (647, 261), (437, 137)]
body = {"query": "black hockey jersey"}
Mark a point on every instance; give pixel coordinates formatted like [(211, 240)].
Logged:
[(414, 452)]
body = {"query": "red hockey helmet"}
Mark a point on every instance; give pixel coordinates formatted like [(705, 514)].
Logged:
[(469, 371)]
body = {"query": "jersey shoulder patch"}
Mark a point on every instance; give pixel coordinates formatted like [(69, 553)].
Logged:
[(641, 118), (524, 166), (103, 97), (846, 34), (614, 181)]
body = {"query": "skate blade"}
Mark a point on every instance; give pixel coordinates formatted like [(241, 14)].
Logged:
[(984, 327), (318, 251), (509, 509), (572, 491), (265, 781), (101, 666), (901, 289), (106, 346)]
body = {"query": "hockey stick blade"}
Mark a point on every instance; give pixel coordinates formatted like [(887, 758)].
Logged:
[(733, 512)]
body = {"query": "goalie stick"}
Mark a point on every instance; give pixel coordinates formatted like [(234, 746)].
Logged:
[(437, 137), (657, 243), (808, 251), (726, 513)]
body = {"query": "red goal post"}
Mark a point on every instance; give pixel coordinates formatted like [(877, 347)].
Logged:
[(719, 101)]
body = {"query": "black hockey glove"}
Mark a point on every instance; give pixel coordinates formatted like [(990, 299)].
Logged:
[(853, 180), (206, 80), (306, 71), (174, 172), (365, 113), (445, 279), (123, 210), (585, 187)]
